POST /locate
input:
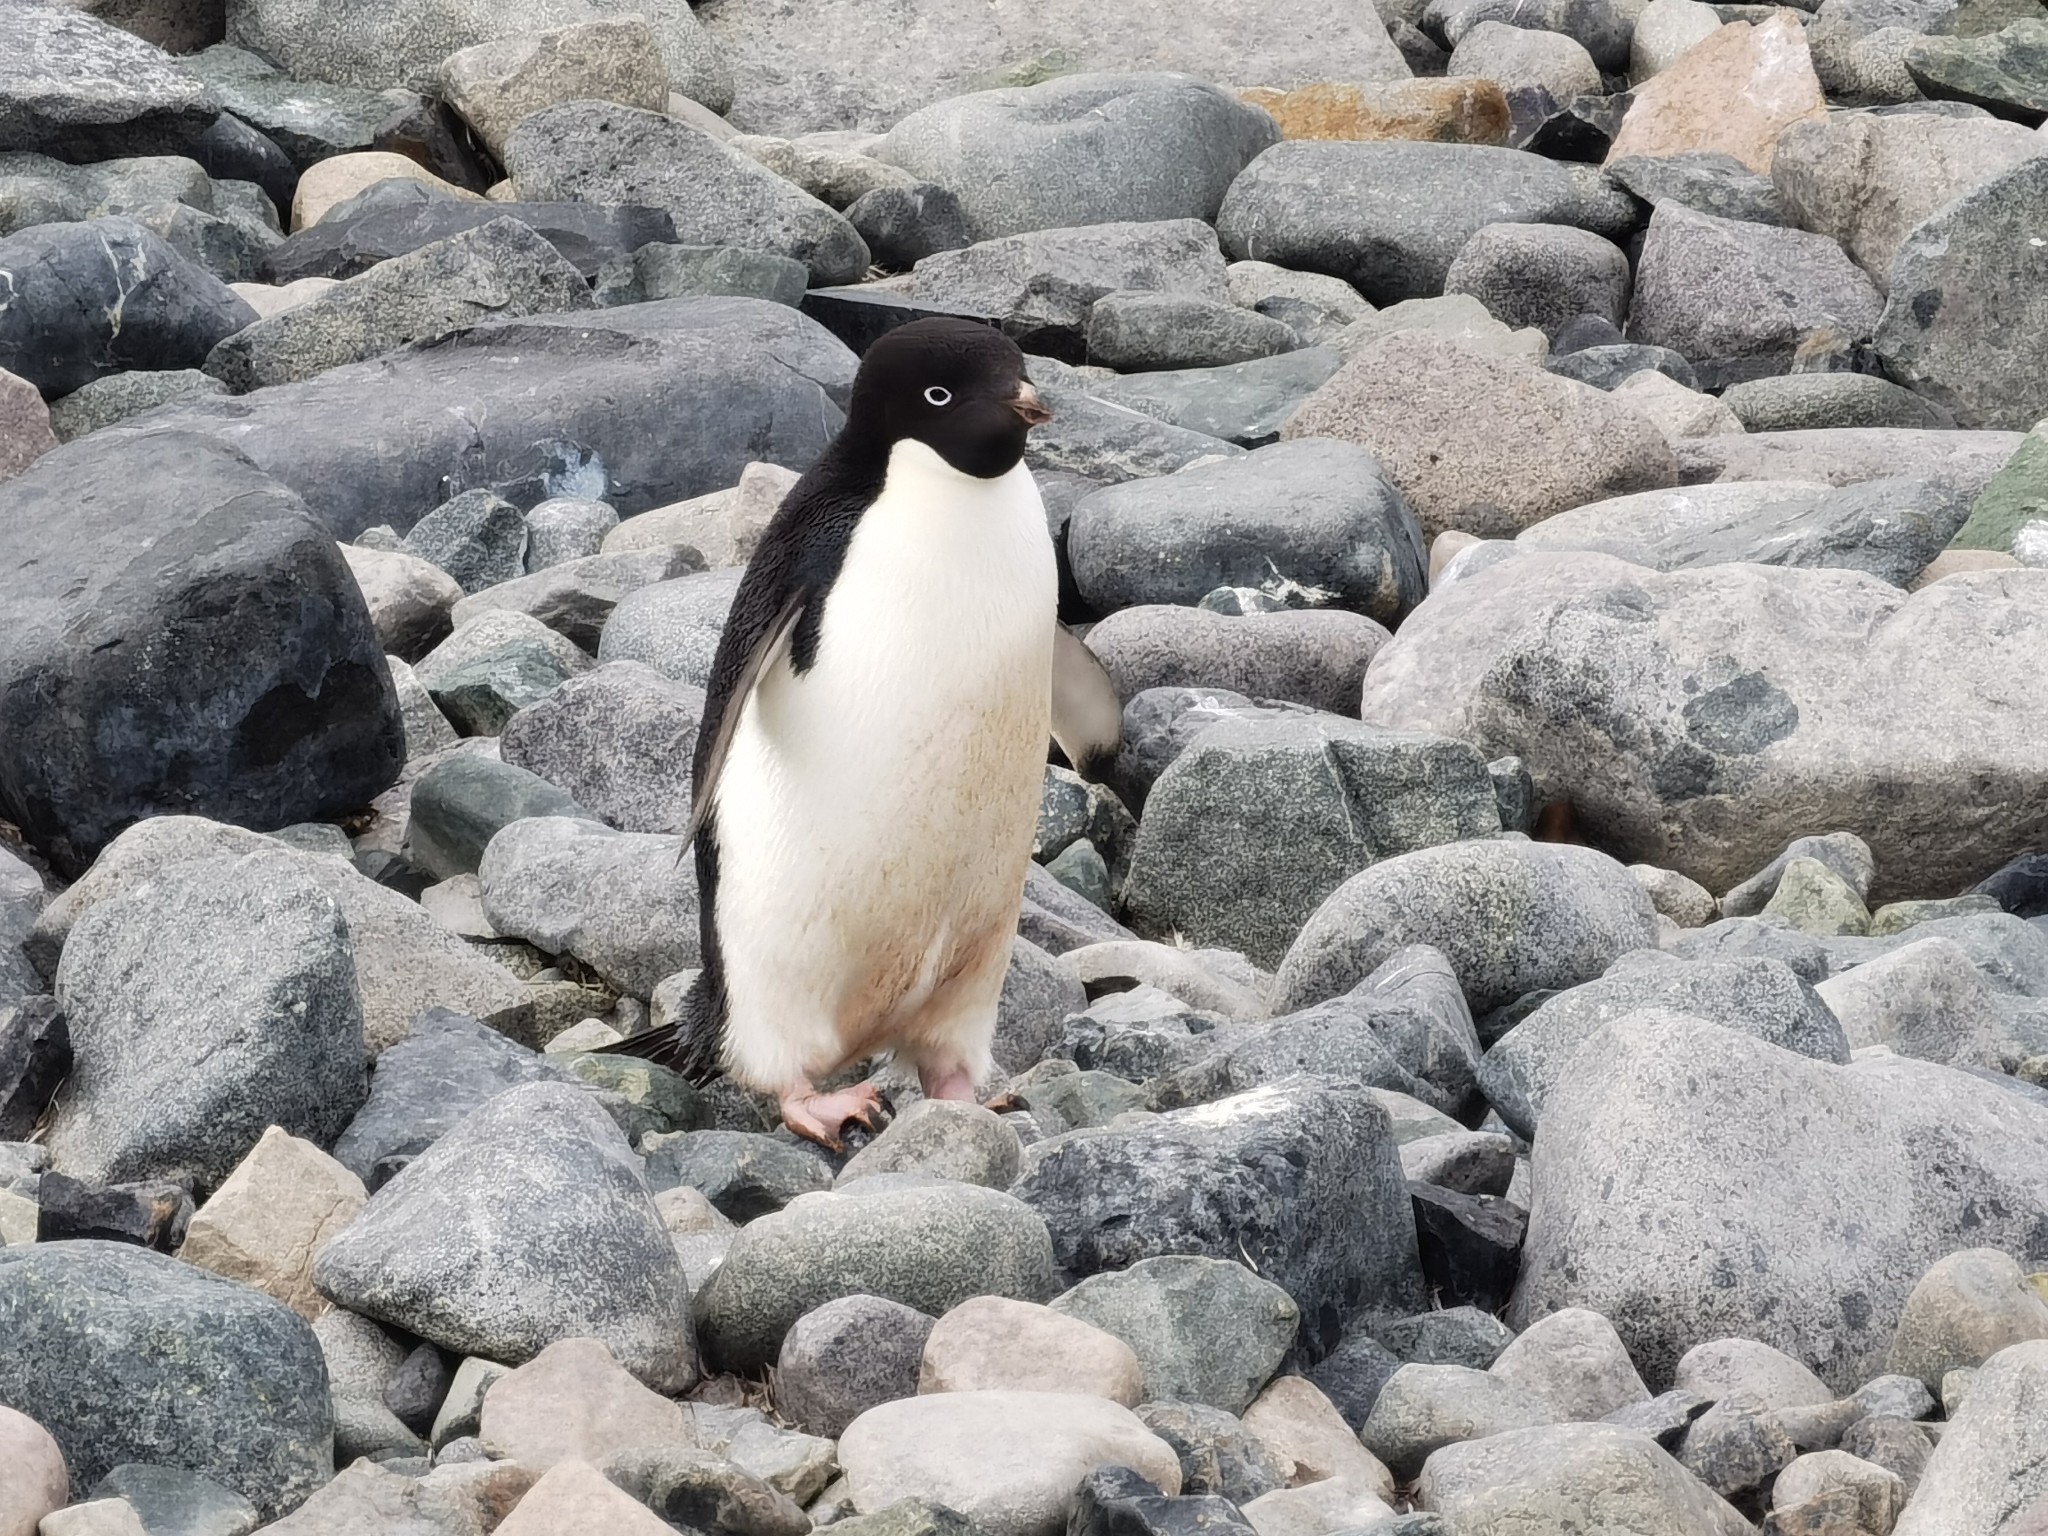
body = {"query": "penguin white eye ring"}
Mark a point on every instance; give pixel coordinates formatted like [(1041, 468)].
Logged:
[(938, 395)]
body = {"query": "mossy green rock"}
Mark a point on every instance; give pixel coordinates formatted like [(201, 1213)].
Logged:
[(2016, 496)]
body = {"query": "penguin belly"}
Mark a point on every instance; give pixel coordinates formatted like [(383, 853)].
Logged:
[(876, 816)]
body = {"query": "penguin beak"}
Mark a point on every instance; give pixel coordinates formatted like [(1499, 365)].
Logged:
[(1027, 405)]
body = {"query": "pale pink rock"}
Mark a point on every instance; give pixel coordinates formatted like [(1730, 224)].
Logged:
[(1733, 93)]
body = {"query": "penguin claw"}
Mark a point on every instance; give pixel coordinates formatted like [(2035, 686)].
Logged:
[(824, 1117)]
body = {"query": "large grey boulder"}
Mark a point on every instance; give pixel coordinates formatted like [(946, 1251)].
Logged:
[(582, 404), (843, 64), (1968, 306), (1510, 915), (1300, 1177), (234, 673), (529, 1222), (206, 1003), (1314, 523), (1684, 1216), (1082, 149), (1390, 217), (498, 271), (127, 1356), (77, 87), (1258, 820), (1891, 528), (1720, 690), (599, 152), (1558, 1475)]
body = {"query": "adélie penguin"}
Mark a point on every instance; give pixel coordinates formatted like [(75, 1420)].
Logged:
[(868, 771)]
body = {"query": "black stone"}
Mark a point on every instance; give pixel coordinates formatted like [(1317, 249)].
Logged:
[(462, 802), (415, 1389), (1583, 129), (1116, 1501), (232, 150), (2021, 887), (857, 316), (233, 673), (743, 1174), (903, 225), (349, 242), (105, 296), (1471, 1245), (35, 1058), (1352, 1374), (430, 132), (152, 1214)]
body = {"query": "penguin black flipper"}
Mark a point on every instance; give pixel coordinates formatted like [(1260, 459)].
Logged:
[(1087, 715), (771, 647)]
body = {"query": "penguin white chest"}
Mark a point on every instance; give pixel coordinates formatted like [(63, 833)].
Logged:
[(876, 814)]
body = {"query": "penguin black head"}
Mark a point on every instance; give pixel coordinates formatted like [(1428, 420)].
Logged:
[(957, 386)]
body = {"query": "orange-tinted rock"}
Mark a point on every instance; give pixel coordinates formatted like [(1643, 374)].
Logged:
[(25, 434), (1442, 111), (1732, 93)]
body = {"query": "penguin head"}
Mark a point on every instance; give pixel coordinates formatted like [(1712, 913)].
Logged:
[(957, 386)]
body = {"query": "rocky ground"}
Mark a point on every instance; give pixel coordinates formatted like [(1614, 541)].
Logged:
[(1544, 1027)]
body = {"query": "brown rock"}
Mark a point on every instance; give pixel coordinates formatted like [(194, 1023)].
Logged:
[(574, 1499), (99, 1517), (495, 84), (1294, 1418), (1440, 111), (992, 1343), (25, 434), (269, 1217), (1955, 562), (461, 1497), (1734, 93), (33, 1480), (573, 1401), (1480, 444)]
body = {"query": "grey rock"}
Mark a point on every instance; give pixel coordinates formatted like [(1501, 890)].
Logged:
[(206, 1003), (1927, 1000), (703, 1491), (565, 528), (1038, 995), (1316, 658), (1574, 1361), (1801, 402), (941, 1140), (1987, 1465), (1898, 1445), (476, 537), (425, 1084), (1158, 725), (528, 1222), (117, 396), (847, 1356), (310, 120), (1758, 996), (1353, 1375), (1602, 29), (1573, 913), (1844, 455), (1205, 1331), (1736, 1447), (1706, 182), (1967, 1307), (670, 270), (495, 84), (1251, 827), (409, 600), (128, 1356), (1056, 920), (1833, 1298), (587, 410), (170, 1501), (76, 87), (1846, 854), (261, 678), (462, 802), (1243, 403), (576, 598), (1564, 1471), (617, 740), (903, 225), (1314, 522), (672, 626), (1610, 367), (1390, 217), (623, 903), (1317, 307), (716, 195), (1541, 275), (1732, 295), (1218, 1455), (1465, 1162), (1263, 1167), (742, 1173), (1541, 67), (926, 1245), (1042, 284), (1140, 330), (1453, 1336), (1106, 442), (1082, 149), (498, 271), (1967, 299), (2000, 71), (1424, 1408)]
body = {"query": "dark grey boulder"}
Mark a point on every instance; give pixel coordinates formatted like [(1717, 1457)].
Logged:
[(1159, 724), (664, 269), (1800, 402), (576, 597), (169, 1501), (1541, 275), (462, 802), (1106, 442), (618, 740), (2005, 72), (495, 664), (1259, 820), (35, 1059), (205, 1004), (476, 537), (1056, 920), (1314, 522), (847, 1356), (589, 151), (1300, 1177), (1039, 993), (1706, 182), (529, 1222), (423, 1086), (129, 1356), (1511, 916), (1142, 330), (1390, 217), (903, 225), (582, 404), (566, 528), (235, 673), (1082, 149), (108, 295), (1760, 996), (1600, 27), (744, 1174), (1607, 367), (78, 88), (1242, 403), (310, 120)]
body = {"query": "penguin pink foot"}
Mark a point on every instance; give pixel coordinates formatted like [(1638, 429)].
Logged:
[(823, 1117), (954, 1084)]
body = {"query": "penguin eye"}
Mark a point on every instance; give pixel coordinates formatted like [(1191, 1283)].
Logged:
[(938, 395)]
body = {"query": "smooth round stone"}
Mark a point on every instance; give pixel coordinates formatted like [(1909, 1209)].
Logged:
[(995, 1344), (847, 1356)]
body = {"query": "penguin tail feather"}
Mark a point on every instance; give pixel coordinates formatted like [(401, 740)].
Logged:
[(689, 1046)]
